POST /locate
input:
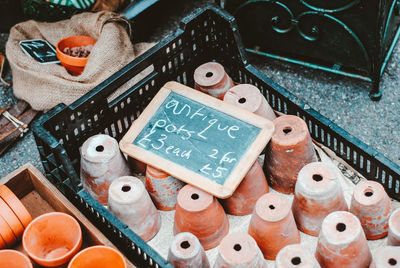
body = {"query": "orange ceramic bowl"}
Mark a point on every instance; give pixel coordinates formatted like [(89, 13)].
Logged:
[(52, 239), (14, 259), (74, 65), (98, 257)]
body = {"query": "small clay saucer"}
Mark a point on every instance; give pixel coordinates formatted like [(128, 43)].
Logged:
[(11, 219), (15, 204), (6, 233)]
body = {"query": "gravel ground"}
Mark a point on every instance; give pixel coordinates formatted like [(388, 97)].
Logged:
[(344, 101)]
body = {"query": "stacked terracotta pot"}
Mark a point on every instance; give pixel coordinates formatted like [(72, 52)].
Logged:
[(14, 218)]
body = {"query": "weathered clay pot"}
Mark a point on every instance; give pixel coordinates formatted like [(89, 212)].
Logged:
[(137, 166), (163, 188), (186, 251), (386, 257), (239, 250), (272, 225), (371, 204), (317, 194), (290, 143), (12, 220), (98, 257), (52, 239), (394, 229), (212, 79), (101, 163), (7, 233), (129, 201), (245, 197), (16, 206), (296, 255), (249, 97), (199, 213), (14, 259), (342, 242)]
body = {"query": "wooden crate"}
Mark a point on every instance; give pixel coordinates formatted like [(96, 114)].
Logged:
[(39, 196)]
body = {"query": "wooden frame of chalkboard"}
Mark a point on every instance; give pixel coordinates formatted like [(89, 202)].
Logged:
[(192, 156)]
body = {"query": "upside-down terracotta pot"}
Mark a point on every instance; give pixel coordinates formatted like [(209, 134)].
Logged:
[(272, 225), (317, 194), (239, 249), (98, 257), (296, 255), (137, 166), (290, 143), (186, 251), (342, 242), (162, 187), (212, 79), (12, 220), (245, 197), (129, 201), (101, 163), (200, 213), (249, 97), (386, 257), (371, 204), (14, 259), (16, 206), (7, 233), (394, 229), (52, 239)]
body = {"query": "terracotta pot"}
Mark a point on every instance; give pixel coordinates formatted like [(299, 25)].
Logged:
[(74, 65), (2, 242), (394, 228), (245, 197), (342, 242), (163, 188), (137, 166), (371, 204), (199, 213), (14, 259), (290, 143), (186, 251), (212, 79), (239, 250), (386, 257), (272, 225), (12, 220), (296, 255), (317, 194), (101, 163), (52, 239), (7, 234), (249, 97), (16, 206), (98, 257), (129, 201)]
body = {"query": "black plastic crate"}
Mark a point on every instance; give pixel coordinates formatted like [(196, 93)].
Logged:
[(207, 34)]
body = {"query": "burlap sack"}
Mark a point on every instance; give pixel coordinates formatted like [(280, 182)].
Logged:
[(45, 85)]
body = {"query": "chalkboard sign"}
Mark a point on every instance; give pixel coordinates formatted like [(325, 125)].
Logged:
[(40, 50), (197, 138)]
